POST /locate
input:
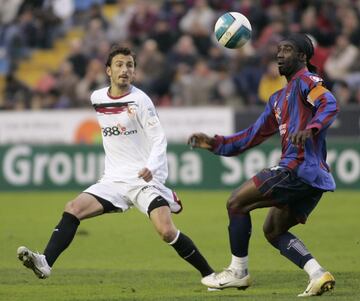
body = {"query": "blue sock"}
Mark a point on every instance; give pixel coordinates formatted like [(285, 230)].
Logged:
[(239, 233), (292, 248)]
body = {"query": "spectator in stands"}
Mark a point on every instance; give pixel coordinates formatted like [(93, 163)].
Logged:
[(341, 59), (16, 95), (270, 81), (77, 57), (142, 21), (94, 36), (199, 23), (224, 92), (309, 25), (183, 52), (217, 58), (119, 27), (163, 34), (197, 87), (343, 93), (9, 11), (93, 79), (151, 70), (66, 84), (349, 18), (247, 79), (174, 11)]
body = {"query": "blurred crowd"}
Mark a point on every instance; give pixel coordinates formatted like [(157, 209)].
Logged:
[(179, 63)]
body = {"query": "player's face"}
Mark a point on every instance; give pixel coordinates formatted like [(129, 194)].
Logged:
[(288, 58), (121, 71)]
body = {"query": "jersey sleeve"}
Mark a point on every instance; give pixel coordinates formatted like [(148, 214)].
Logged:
[(265, 126), (321, 99), (157, 161)]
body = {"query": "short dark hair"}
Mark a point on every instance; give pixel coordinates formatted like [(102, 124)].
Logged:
[(117, 49)]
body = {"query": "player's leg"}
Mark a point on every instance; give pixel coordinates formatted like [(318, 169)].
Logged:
[(276, 226), (160, 215), (99, 198), (239, 205), (83, 206)]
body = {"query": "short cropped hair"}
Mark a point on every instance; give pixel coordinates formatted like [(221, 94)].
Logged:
[(117, 49)]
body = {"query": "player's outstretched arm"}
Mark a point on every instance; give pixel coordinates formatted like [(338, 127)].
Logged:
[(201, 140)]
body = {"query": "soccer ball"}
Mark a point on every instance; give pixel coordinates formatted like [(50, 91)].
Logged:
[(232, 30)]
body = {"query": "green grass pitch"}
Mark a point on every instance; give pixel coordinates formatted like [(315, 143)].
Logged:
[(120, 257)]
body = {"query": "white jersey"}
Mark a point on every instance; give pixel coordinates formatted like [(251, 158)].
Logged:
[(132, 136)]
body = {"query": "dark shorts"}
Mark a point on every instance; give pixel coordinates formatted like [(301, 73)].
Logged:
[(284, 187)]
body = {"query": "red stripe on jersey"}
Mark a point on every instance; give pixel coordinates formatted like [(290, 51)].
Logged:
[(305, 112), (292, 164), (111, 110)]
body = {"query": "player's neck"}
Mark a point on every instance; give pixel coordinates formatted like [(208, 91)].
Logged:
[(290, 76), (116, 92)]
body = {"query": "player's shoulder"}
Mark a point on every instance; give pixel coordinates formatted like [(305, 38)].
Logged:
[(140, 96), (310, 80), (99, 95), (275, 96)]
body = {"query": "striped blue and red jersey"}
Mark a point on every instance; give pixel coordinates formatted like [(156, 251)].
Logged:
[(304, 103)]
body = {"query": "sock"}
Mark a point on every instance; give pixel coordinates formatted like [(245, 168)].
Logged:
[(239, 233), (239, 264), (61, 238), (313, 268), (185, 247), (293, 249)]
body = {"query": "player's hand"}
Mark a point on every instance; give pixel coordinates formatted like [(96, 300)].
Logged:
[(300, 137), (145, 174), (201, 140)]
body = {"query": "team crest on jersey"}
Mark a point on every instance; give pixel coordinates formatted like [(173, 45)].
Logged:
[(315, 78), (131, 110)]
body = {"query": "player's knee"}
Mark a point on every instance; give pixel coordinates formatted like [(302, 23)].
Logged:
[(271, 233), (167, 234), (268, 232), (234, 205), (71, 208)]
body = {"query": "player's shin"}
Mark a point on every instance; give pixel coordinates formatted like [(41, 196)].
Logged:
[(239, 236), (292, 248), (61, 238), (186, 248)]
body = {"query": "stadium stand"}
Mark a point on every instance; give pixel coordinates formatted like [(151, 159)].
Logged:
[(41, 41)]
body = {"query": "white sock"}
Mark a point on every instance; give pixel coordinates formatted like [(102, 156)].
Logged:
[(239, 263), (313, 268)]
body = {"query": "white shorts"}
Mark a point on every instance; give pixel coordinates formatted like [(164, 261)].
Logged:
[(125, 196)]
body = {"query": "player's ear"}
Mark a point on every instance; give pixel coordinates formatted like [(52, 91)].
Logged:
[(302, 57), (108, 70)]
